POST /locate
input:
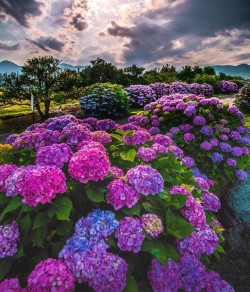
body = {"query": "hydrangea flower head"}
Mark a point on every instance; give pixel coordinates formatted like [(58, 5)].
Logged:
[(152, 224), (5, 171), (9, 235)]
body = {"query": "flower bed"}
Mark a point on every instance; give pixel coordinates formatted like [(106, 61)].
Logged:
[(227, 87), (123, 210), (210, 132)]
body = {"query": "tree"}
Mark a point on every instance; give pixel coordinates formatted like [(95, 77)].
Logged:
[(167, 73), (42, 74), (134, 74), (100, 71), (209, 70), (186, 74)]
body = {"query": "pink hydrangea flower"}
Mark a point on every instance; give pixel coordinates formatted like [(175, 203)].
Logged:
[(5, 171), (152, 224)]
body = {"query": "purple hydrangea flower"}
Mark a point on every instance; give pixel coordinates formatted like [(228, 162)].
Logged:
[(5, 171), (217, 157), (145, 180), (240, 174), (152, 224), (101, 137), (206, 146), (237, 151), (146, 154), (190, 111), (136, 138), (194, 212), (165, 277), (106, 125), (176, 151), (225, 147), (129, 234), (162, 140), (202, 183), (188, 161), (11, 285), (210, 202), (9, 234), (207, 131), (231, 162), (121, 194), (213, 282), (199, 121), (116, 172), (187, 137)]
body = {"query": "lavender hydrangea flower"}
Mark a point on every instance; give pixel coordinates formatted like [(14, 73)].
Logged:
[(199, 121), (210, 202), (146, 154), (206, 146), (102, 137), (237, 151), (187, 137), (145, 180), (129, 234), (217, 157), (201, 241), (188, 161), (152, 224), (136, 138), (231, 162), (190, 111), (9, 235), (165, 277), (194, 212), (162, 140), (214, 142), (207, 131), (116, 172), (202, 183), (176, 151), (240, 174), (106, 125), (5, 171), (225, 147), (121, 194), (186, 128), (213, 282)]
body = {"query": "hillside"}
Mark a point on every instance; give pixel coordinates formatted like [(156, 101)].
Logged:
[(9, 67), (242, 70)]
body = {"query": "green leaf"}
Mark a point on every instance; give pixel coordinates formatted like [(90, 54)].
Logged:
[(128, 156), (131, 284), (57, 247), (19, 252), (13, 205), (135, 210), (5, 265), (147, 206), (95, 195), (161, 163), (38, 236), (178, 200), (63, 207), (177, 226), (40, 220), (25, 225), (117, 137), (65, 228), (161, 250)]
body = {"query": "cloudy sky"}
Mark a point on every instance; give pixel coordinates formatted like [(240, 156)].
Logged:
[(126, 32)]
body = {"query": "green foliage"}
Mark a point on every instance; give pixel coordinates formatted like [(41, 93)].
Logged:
[(206, 78), (103, 100), (242, 100)]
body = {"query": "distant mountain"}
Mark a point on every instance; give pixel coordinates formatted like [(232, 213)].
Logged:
[(70, 67), (9, 67), (242, 70)]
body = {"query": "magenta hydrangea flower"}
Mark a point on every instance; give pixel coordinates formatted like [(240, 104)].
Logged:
[(186, 128), (162, 140), (145, 180), (121, 194), (179, 190), (116, 172), (9, 234), (214, 142), (187, 137), (237, 151), (91, 121), (176, 151), (11, 138), (165, 278), (36, 184), (206, 146), (89, 165), (91, 145), (154, 130), (194, 212), (51, 275), (210, 202), (159, 148), (106, 125), (201, 241), (129, 234), (11, 285), (102, 137), (152, 224), (75, 133), (5, 171), (136, 138), (56, 154), (146, 154)]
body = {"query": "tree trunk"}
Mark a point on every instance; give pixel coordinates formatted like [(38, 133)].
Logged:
[(47, 107), (41, 114)]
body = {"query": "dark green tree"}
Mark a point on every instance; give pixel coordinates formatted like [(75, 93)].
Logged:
[(186, 74), (134, 74), (209, 70), (42, 74)]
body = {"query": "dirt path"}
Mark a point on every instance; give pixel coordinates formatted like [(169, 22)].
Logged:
[(229, 98)]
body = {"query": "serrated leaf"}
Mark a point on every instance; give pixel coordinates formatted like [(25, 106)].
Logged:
[(117, 137), (38, 235), (135, 210), (25, 225), (65, 228), (161, 163), (131, 284), (128, 156), (63, 207), (14, 203), (95, 195), (178, 200), (40, 220), (177, 226)]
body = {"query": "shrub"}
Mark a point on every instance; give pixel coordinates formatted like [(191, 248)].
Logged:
[(205, 78), (104, 100), (212, 133), (227, 87), (125, 214), (242, 100), (140, 95)]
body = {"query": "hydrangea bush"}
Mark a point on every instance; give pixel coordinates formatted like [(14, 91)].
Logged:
[(127, 212), (242, 99), (104, 100), (224, 86), (140, 95), (210, 132)]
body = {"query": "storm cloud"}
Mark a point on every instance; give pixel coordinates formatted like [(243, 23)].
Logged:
[(176, 30), (21, 10), (47, 43), (8, 47)]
